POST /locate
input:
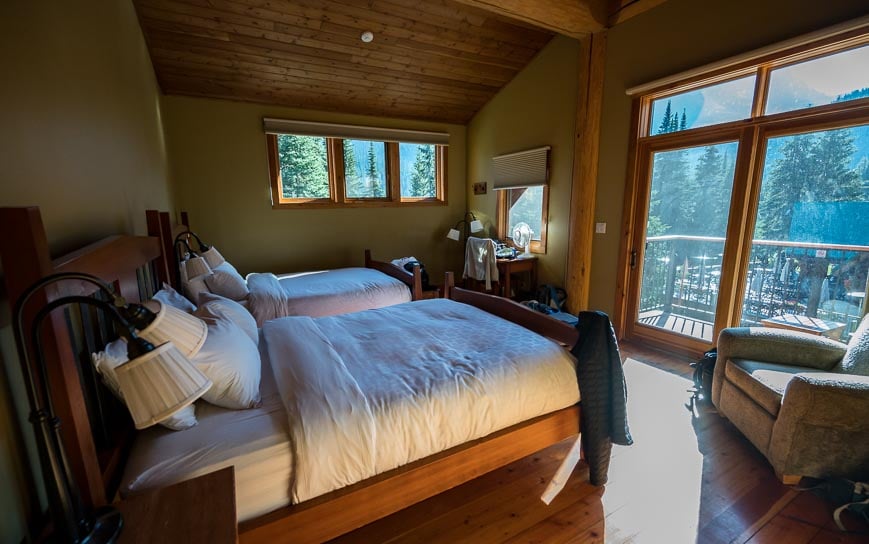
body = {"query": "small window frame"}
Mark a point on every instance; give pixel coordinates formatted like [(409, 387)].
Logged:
[(337, 184)]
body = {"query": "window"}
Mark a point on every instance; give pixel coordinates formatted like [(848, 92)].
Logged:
[(365, 169), (758, 211), (311, 170), (521, 180), (418, 167)]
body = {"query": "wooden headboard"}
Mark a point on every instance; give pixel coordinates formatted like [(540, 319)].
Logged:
[(161, 226), (97, 431)]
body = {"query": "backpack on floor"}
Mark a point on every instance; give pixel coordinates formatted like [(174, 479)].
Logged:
[(703, 370), (844, 495)]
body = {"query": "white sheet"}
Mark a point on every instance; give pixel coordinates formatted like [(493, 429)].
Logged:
[(370, 391), (322, 293), (255, 441)]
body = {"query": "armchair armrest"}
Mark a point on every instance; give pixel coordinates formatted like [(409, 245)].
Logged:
[(822, 429), (774, 346)]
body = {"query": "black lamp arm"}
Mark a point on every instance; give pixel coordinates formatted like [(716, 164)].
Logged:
[(186, 234), (68, 514)]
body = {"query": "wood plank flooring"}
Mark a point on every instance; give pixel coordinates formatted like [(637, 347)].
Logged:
[(689, 477)]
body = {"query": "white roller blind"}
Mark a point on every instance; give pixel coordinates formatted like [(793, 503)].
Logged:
[(354, 132), (522, 169)]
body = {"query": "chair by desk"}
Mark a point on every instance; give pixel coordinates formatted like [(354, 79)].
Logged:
[(508, 267)]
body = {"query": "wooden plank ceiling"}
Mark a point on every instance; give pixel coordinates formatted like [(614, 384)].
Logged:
[(430, 59)]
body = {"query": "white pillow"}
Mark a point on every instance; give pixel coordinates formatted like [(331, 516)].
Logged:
[(227, 282), (194, 287), (211, 305), (115, 355), (231, 361), (173, 298)]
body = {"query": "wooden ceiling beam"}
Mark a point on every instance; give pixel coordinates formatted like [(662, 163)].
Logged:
[(574, 18), (622, 10)]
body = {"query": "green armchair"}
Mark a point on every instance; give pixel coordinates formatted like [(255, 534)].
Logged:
[(802, 400)]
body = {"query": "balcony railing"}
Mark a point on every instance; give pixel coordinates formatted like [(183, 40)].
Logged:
[(681, 278)]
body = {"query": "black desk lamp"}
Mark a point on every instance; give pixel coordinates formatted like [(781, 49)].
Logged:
[(71, 521)]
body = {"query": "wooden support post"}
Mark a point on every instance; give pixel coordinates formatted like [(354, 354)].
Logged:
[(585, 159)]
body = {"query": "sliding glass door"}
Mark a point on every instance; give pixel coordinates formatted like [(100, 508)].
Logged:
[(748, 201)]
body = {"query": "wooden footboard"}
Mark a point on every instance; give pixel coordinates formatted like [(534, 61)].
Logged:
[(344, 510)]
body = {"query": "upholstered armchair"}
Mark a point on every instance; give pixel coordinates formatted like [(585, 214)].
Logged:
[(802, 400)]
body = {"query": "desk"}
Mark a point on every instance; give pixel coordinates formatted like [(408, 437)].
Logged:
[(197, 510), (802, 323), (508, 267)]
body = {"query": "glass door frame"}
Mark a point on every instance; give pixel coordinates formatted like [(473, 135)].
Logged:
[(752, 136)]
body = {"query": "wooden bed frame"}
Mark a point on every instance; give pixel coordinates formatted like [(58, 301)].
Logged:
[(160, 224), (135, 265)]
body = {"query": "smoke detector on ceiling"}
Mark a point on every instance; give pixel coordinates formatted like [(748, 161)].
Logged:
[(367, 36)]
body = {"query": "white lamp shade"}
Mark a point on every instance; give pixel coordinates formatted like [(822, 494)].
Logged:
[(213, 257), (476, 225), (197, 266), (454, 234), (187, 332), (159, 383)]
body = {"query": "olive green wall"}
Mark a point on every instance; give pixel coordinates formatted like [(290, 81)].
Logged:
[(537, 108), (81, 137), (219, 163), (676, 36)]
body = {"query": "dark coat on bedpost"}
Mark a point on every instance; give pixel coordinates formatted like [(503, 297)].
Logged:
[(603, 391)]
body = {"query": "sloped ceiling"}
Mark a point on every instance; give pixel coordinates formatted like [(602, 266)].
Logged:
[(430, 59)]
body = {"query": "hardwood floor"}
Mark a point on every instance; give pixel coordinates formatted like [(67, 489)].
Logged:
[(689, 477)]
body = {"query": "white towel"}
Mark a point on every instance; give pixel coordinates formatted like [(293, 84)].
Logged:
[(480, 260)]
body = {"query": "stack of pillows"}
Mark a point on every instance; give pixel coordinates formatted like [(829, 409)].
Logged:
[(229, 356)]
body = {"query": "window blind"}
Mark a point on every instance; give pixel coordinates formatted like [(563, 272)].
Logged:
[(354, 132), (522, 169)]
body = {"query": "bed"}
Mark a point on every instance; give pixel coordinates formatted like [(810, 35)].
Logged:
[(100, 451), (312, 293)]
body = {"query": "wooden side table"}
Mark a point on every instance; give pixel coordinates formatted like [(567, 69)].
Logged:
[(198, 510), (802, 323), (508, 267)]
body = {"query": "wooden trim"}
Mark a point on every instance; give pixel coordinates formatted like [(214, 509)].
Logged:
[(761, 91), (413, 280), (623, 11), (393, 171), (585, 169), (628, 235), (167, 235), (326, 517)]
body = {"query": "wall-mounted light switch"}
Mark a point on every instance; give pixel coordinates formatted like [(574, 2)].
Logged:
[(600, 228), (480, 188)]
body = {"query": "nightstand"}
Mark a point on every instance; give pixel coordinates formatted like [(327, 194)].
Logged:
[(198, 510)]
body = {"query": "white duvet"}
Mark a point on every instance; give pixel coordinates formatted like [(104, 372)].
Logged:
[(371, 391), (322, 293)]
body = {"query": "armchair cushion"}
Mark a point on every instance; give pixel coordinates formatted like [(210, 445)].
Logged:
[(856, 359), (781, 347), (764, 382)]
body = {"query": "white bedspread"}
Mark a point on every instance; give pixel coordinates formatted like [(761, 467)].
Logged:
[(322, 293), (371, 391)]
